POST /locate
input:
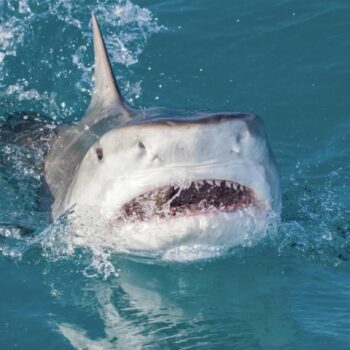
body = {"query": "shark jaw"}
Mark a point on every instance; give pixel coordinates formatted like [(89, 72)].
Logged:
[(194, 198), (197, 220), (189, 220)]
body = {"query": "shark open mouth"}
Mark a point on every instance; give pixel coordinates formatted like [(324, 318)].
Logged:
[(196, 198)]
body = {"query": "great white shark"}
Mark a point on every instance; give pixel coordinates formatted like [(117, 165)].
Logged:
[(156, 178)]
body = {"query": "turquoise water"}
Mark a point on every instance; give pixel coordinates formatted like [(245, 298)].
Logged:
[(287, 61)]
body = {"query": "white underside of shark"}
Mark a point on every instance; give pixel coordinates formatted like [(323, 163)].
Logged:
[(155, 181)]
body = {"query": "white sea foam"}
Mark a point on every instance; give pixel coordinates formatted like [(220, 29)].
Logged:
[(11, 35), (22, 94), (188, 239)]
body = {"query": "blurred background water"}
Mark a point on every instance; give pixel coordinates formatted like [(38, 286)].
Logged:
[(286, 60)]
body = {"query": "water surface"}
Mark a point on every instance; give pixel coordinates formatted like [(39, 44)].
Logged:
[(287, 61)]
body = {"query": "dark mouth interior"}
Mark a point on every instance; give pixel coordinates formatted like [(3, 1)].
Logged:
[(198, 197)]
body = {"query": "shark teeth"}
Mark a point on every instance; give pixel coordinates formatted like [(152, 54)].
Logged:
[(225, 183), (189, 198)]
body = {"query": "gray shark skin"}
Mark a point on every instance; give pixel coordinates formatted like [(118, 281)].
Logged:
[(127, 166)]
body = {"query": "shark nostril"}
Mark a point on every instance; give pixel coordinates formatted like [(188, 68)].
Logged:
[(141, 145), (99, 153)]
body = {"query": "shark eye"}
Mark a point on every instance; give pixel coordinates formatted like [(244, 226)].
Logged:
[(99, 153), (141, 145)]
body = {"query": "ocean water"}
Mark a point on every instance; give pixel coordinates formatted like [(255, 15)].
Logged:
[(286, 60)]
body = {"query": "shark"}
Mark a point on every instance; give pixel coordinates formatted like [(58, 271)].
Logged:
[(157, 178)]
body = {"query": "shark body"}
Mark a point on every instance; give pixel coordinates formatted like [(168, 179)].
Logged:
[(162, 177)]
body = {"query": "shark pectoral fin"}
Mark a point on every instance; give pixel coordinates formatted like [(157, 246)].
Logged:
[(106, 97)]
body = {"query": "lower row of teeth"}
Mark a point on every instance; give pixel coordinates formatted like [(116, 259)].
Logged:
[(173, 211)]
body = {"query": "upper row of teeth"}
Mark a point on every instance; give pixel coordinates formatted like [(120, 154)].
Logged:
[(228, 184)]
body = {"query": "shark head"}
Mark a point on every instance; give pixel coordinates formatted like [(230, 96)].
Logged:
[(163, 177)]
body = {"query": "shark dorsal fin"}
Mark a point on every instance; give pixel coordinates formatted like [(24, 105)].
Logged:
[(105, 84), (106, 97)]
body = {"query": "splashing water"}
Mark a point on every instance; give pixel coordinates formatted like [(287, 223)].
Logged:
[(287, 290), (312, 233), (127, 27)]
